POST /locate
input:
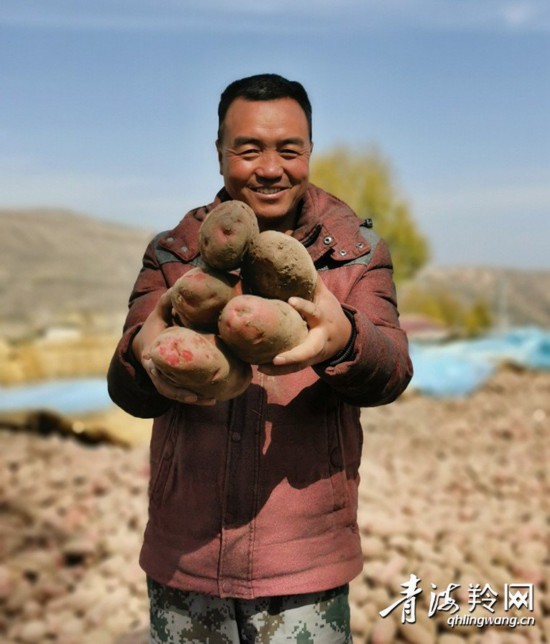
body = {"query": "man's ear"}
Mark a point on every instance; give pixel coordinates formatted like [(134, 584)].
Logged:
[(219, 150)]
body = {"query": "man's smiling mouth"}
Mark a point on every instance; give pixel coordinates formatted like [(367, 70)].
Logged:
[(268, 191)]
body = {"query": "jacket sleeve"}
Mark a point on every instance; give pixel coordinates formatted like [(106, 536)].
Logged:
[(128, 384), (377, 368)]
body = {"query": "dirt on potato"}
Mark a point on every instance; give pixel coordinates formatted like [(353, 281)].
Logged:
[(257, 329), (199, 296), (226, 233), (199, 362), (278, 266)]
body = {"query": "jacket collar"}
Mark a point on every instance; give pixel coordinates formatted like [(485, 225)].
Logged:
[(183, 240), (325, 225)]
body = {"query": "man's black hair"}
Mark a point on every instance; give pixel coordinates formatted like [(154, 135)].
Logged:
[(263, 87)]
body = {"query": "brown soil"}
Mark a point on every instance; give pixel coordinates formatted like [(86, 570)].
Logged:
[(455, 492)]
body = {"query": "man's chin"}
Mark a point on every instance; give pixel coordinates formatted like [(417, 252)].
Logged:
[(269, 220), (269, 213)]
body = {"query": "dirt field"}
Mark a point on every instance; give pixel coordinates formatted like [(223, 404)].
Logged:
[(456, 493)]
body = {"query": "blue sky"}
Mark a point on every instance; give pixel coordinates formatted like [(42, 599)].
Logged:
[(109, 106)]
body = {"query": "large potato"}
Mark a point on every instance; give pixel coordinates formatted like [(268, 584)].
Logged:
[(257, 329), (199, 362), (278, 266), (225, 234), (199, 296)]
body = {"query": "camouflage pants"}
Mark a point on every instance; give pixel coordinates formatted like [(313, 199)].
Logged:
[(179, 617)]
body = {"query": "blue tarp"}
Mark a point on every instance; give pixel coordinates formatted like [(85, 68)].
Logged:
[(76, 396), (459, 368), (443, 370)]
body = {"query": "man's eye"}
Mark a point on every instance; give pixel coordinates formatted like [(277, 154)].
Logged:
[(249, 152), (289, 153)]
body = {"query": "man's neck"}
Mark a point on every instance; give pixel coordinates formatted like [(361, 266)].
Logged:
[(285, 224)]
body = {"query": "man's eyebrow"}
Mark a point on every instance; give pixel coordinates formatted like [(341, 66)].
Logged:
[(246, 140), (293, 141), (250, 140)]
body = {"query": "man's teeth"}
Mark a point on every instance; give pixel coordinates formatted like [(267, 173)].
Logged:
[(268, 191)]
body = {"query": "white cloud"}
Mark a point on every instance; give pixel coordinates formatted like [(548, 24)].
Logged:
[(495, 224), (490, 201), (464, 220), (519, 14), (150, 201), (246, 15)]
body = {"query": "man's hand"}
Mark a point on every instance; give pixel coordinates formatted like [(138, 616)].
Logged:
[(168, 390), (329, 333), (159, 319)]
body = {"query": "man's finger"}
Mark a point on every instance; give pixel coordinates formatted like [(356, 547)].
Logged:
[(308, 310), (308, 350), (165, 304), (168, 390), (272, 370)]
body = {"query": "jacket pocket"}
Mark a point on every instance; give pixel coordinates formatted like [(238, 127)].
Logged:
[(165, 463), (337, 463)]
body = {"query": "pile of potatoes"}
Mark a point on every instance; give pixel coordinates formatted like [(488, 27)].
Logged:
[(232, 311)]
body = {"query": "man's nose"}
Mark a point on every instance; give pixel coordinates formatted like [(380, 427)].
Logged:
[(269, 165)]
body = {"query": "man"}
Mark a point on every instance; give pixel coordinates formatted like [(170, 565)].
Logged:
[(252, 532)]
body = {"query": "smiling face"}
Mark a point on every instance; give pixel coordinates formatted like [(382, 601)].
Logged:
[(264, 154)]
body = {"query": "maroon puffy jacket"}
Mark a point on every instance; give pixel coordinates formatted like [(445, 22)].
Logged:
[(257, 496)]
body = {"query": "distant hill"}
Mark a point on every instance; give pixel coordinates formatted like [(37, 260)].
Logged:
[(515, 297), (59, 267)]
